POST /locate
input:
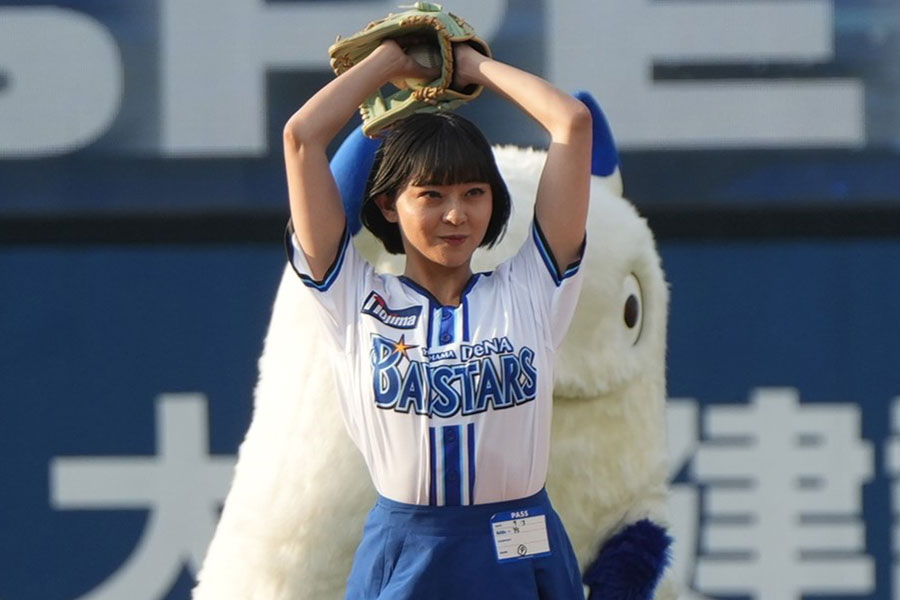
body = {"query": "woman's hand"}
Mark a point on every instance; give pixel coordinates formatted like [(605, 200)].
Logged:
[(403, 67), (466, 61)]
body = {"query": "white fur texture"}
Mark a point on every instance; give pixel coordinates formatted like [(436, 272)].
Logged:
[(294, 515)]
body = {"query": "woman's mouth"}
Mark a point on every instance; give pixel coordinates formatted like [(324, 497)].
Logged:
[(454, 240)]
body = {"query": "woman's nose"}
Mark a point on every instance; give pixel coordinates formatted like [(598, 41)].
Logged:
[(455, 213)]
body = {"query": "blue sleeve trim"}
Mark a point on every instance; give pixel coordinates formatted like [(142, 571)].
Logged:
[(332, 272), (549, 260)]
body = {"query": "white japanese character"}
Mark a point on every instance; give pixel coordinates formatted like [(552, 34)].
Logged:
[(783, 509), (892, 466), (683, 436), (182, 487)]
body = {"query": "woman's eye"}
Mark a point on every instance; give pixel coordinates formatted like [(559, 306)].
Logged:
[(476, 191)]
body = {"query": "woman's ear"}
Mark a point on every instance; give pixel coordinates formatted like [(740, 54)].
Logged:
[(387, 205)]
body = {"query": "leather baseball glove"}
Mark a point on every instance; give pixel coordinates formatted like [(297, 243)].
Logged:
[(435, 30)]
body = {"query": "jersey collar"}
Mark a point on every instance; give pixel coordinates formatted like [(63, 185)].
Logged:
[(434, 301)]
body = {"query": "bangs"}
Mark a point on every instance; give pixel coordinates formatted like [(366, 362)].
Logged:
[(450, 156)]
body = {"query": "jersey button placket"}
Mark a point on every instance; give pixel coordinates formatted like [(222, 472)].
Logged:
[(446, 325)]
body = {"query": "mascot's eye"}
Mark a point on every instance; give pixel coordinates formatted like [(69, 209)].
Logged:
[(632, 311), (632, 308)]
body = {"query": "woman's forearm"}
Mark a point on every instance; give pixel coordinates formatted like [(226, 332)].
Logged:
[(556, 111), (561, 204), (320, 119)]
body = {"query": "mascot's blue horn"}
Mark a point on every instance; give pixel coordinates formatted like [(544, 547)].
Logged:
[(604, 157), (353, 161), (350, 167)]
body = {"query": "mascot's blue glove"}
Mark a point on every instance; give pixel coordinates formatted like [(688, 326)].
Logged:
[(630, 564)]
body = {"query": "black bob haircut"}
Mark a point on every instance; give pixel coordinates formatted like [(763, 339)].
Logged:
[(432, 149)]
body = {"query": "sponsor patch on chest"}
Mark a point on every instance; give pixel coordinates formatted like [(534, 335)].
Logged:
[(402, 318)]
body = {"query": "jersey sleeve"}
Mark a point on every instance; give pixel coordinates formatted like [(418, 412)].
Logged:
[(553, 291), (338, 292)]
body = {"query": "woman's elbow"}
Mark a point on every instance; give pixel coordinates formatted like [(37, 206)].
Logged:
[(578, 117), (574, 121), (300, 132), (292, 134)]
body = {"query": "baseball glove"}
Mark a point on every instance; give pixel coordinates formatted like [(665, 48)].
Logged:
[(438, 30)]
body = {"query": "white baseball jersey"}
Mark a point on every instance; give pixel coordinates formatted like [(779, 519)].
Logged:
[(449, 405)]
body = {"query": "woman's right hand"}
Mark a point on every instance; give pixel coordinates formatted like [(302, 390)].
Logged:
[(403, 66)]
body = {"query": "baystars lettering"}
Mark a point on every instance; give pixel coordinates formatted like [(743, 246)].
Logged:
[(479, 383)]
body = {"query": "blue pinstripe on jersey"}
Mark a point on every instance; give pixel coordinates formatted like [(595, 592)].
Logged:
[(470, 439), (432, 461), (452, 465), (465, 320)]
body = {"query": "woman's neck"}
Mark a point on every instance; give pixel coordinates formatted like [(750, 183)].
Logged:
[(446, 284)]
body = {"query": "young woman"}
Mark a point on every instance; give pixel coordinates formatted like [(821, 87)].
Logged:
[(445, 376)]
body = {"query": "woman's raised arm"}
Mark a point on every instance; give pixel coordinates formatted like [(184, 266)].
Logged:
[(562, 198), (316, 209)]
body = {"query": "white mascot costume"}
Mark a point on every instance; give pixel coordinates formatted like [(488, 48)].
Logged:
[(294, 515)]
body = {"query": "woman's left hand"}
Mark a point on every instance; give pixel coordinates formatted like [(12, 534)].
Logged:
[(466, 60)]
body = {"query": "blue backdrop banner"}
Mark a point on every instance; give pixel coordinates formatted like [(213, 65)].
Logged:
[(128, 372)]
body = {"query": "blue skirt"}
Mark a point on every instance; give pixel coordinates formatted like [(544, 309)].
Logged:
[(411, 551)]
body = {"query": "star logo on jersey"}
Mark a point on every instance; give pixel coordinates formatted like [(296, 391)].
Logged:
[(402, 347)]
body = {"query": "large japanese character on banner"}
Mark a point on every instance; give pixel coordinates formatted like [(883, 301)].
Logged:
[(181, 487), (295, 512), (781, 484)]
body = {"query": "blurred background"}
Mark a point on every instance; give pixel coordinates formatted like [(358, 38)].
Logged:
[(142, 204)]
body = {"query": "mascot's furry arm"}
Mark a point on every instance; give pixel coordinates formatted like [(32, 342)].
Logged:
[(294, 514), (618, 337)]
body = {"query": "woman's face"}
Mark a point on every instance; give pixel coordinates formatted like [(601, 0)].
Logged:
[(442, 224)]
